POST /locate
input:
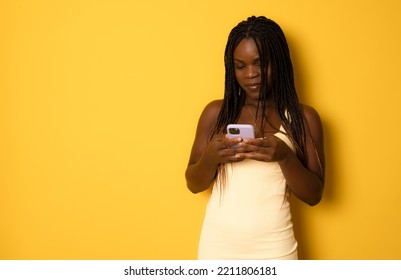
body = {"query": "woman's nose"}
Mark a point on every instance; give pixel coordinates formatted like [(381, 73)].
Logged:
[(251, 72)]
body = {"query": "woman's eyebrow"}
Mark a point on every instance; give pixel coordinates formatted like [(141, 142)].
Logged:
[(256, 60)]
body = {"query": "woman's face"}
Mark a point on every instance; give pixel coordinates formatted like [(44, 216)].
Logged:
[(247, 67)]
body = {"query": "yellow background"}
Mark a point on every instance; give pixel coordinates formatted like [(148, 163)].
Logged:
[(99, 102)]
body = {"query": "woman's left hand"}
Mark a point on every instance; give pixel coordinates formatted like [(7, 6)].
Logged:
[(269, 148)]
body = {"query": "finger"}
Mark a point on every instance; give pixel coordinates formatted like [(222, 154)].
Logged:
[(269, 140), (254, 156), (256, 142), (233, 142)]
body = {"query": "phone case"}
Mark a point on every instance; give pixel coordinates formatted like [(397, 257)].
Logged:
[(240, 130)]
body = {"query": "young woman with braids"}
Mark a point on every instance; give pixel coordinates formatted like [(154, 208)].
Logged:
[(248, 214)]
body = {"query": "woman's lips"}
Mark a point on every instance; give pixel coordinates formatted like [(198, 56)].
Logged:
[(253, 86)]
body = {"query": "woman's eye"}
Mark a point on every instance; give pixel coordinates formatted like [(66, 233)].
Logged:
[(239, 66)]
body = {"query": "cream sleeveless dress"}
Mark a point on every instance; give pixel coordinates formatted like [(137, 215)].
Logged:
[(249, 217)]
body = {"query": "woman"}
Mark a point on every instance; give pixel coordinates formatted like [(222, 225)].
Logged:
[(248, 214)]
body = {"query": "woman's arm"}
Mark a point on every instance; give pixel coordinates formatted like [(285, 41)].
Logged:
[(307, 183), (201, 168), (207, 155)]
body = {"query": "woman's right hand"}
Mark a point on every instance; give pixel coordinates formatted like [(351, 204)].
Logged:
[(221, 149)]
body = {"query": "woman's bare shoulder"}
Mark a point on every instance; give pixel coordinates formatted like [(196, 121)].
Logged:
[(214, 105), (212, 110), (311, 115)]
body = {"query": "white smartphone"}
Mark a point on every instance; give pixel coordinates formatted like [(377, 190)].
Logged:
[(240, 130)]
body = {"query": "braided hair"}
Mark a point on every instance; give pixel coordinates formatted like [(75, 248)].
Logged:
[(280, 88)]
